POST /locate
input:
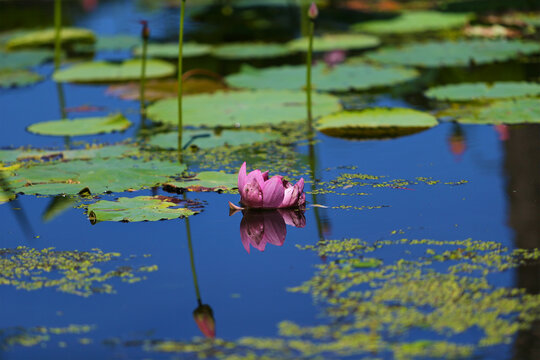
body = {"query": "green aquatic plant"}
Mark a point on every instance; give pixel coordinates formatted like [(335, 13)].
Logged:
[(73, 272), (312, 14), (145, 34), (57, 30), (180, 77)]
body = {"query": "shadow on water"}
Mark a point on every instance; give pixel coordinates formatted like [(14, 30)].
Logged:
[(16, 208), (522, 165)]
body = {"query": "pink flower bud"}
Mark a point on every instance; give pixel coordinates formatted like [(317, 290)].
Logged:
[(313, 12)]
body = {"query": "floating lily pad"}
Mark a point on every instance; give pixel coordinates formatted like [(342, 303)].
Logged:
[(18, 77), (483, 91), (24, 59), (82, 126), (250, 50), (98, 175), (205, 181), (458, 53), (336, 42), (519, 111), (210, 139), (140, 208), (116, 42), (414, 21), (358, 76), (170, 50), (6, 197), (91, 152), (242, 108), (47, 36), (101, 71), (375, 123)]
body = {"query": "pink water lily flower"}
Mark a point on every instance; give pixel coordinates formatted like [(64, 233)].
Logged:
[(259, 191)]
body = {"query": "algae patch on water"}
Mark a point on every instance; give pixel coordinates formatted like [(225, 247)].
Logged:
[(80, 273)]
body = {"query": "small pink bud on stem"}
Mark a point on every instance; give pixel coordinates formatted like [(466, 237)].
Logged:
[(313, 11)]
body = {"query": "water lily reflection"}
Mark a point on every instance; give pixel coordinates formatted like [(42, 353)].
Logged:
[(259, 228)]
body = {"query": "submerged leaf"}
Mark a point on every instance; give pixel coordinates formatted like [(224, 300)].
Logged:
[(101, 71), (24, 59), (454, 53), (170, 50), (82, 126), (375, 123), (140, 208), (335, 42), (414, 21), (342, 77), (519, 111), (18, 77), (205, 181), (242, 108), (250, 50), (210, 139), (483, 91)]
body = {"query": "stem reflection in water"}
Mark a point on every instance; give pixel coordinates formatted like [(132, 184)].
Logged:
[(16, 208), (203, 314)]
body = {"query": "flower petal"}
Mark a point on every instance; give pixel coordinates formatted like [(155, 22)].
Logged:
[(290, 197), (273, 192), (265, 175), (257, 175), (251, 195), (242, 177), (300, 185)]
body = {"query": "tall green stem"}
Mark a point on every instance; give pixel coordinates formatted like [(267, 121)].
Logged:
[(308, 74), (57, 30), (180, 73), (143, 76)]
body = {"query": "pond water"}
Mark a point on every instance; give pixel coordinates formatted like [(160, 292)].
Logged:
[(408, 247)]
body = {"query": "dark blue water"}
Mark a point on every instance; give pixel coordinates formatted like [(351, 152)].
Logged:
[(247, 291)]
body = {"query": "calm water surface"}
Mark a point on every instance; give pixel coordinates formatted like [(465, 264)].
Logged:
[(248, 291)]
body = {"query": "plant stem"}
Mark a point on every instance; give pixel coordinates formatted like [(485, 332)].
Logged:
[(57, 30), (143, 76), (180, 82), (308, 74)]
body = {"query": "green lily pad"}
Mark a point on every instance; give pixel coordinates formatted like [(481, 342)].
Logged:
[(110, 43), (205, 181), (242, 108), (82, 126), (335, 42), (92, 152), (140, 208), (210, 139), (344, 77), (170, 50), (18, 77), (375, 123), (98, 175), (101, 71), (250, 50), (6, 197), (519, 111), (414, 21), (483, 91), (458, 53), (24, 59), (46, 37)]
